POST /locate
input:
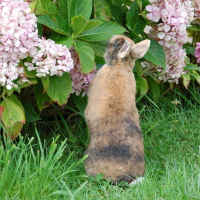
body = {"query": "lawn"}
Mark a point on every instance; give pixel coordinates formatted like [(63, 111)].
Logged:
[(41, 166)]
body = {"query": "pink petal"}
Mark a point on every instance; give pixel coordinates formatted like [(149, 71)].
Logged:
[(166, 28), (156, 18), (149, 8), (161, 35), (149, 16)]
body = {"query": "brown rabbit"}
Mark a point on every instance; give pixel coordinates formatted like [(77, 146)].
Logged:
[(116, 145)]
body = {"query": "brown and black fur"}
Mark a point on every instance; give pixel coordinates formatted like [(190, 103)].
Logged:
[(116, 144)]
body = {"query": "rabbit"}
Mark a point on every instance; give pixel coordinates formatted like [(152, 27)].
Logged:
[(116, 147)]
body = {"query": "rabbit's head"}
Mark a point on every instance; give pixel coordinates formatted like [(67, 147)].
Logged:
[(122, 51)]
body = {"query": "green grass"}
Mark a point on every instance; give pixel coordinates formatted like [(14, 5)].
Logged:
[(47, 168)]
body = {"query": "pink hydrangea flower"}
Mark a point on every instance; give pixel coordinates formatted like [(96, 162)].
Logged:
[(171, 34), (80, 80), (50, 59), (197, 52), (154, 14), (18, 38)]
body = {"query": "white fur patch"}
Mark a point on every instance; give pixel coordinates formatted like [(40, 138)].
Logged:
[(136, 181)]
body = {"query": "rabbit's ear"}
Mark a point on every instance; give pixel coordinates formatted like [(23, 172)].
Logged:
[(125, 50), (139, 50)]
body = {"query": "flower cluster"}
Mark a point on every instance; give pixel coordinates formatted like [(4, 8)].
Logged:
[(196, 5), (18, 38), (80, 80), (51, 59), (197, 52), (174, 17)]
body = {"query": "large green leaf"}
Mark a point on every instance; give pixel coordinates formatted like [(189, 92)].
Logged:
[(99, 47), (15, 99), (194, 27), (11, 112), (45, 7), (186, 80), (134, 21), (189, 50), (81, 102), (31, 115), (64, 7), (54, 22), (156, 54), (78, 24), (192, 67), (81, 7), (103, 31), (154, 87), (45, 83), (59, 88), (118, 13), (86, 56), (61, 39), (196, 75), (142, 83), (91, 24), (43, 100)]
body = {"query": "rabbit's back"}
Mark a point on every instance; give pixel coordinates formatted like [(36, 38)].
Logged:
[(116, 144)]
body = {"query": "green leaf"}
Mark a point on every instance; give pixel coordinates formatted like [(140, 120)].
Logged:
[(119, 14), (64, 7), (31, 115), (101, 10), (28, 74), (186, 80), (103, 31), (128, 2), (156, 54), (142, 82), (60, 88), (61, 39), (11, 113), (40, 29), (91, 24), (86, 56), (46, 7), (81, 7), (118, 2), (99, 47), (154, 86), (43, 100), (194, 27), (196, 76), (189, 50), (78, 24), (134, 21), (142, 3), (191, 67), (81, 102), (45, 83), (54, 22), (32, 6), (32, 81), (15, 99)]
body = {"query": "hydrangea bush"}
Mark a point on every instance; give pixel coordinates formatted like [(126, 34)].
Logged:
[(58, 47)]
